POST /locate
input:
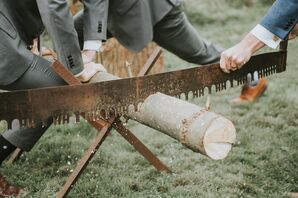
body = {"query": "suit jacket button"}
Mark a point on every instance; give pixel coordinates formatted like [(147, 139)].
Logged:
[(275, 38)]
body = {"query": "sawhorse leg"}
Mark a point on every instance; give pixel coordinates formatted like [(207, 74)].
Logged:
[(144, 71), (139, 146), (15, 156), (128, 135), (104, 128)]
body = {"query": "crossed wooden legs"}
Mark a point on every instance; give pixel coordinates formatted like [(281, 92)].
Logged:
[(104, 127)]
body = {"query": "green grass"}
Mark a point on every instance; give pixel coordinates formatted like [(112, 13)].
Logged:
[(263, 162)]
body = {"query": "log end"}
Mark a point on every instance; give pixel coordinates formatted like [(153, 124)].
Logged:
[(219, 138)]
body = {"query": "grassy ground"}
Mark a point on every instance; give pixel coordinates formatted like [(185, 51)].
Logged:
[(263, 163)]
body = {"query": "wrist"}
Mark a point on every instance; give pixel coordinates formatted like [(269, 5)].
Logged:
[(252, 43)]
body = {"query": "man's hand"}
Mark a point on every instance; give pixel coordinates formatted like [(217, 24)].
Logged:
[(90, 69), (294, 33), (88, 56), (236, 56), (35, 47), (90, 49)]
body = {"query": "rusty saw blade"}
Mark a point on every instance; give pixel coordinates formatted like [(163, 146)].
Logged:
[(99, 100)]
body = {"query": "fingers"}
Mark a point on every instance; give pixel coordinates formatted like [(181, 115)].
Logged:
[(231, 62), (35, 47), (89, 71), (100, 68), (224, 62), (294, 33), (234, 68)]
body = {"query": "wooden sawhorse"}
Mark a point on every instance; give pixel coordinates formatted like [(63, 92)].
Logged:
[(104, 127)]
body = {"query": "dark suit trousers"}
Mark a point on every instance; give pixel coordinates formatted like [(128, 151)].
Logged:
[(175, 33)]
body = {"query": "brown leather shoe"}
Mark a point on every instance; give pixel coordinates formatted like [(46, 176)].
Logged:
[(8, 190), (251, 93)]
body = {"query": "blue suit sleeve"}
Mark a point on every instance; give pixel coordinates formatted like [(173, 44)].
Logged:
[(281, 18)]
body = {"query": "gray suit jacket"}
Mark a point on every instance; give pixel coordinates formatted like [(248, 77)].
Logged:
[(281, 18), (25, 20), (95, 19)]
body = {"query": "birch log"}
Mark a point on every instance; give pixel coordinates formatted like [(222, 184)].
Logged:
[(198, 129)]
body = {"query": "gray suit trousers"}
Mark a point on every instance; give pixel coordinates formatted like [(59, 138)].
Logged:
[(175, 33)]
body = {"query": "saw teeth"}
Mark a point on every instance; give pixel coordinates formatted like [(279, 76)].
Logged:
[(125, 110), (260, 73), (220, 86), (183, 96), (201, 92), (135, 106), (44, 123), (56, 120), (245, 79), (224, 85), (267, 72), (112, 111), (195, 93), (118, 111), (65, 118), (77, 116), (90, 116), (108, 114), (102, 114), (232, 83), (186, 95), (252, 76), (33, 123), (209, 89), (22, 123), (239, 81), (272, 70), (9, 123), (217, 87)]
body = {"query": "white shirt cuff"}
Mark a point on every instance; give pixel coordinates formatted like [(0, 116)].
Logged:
[(266, 36), (94, 45)]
